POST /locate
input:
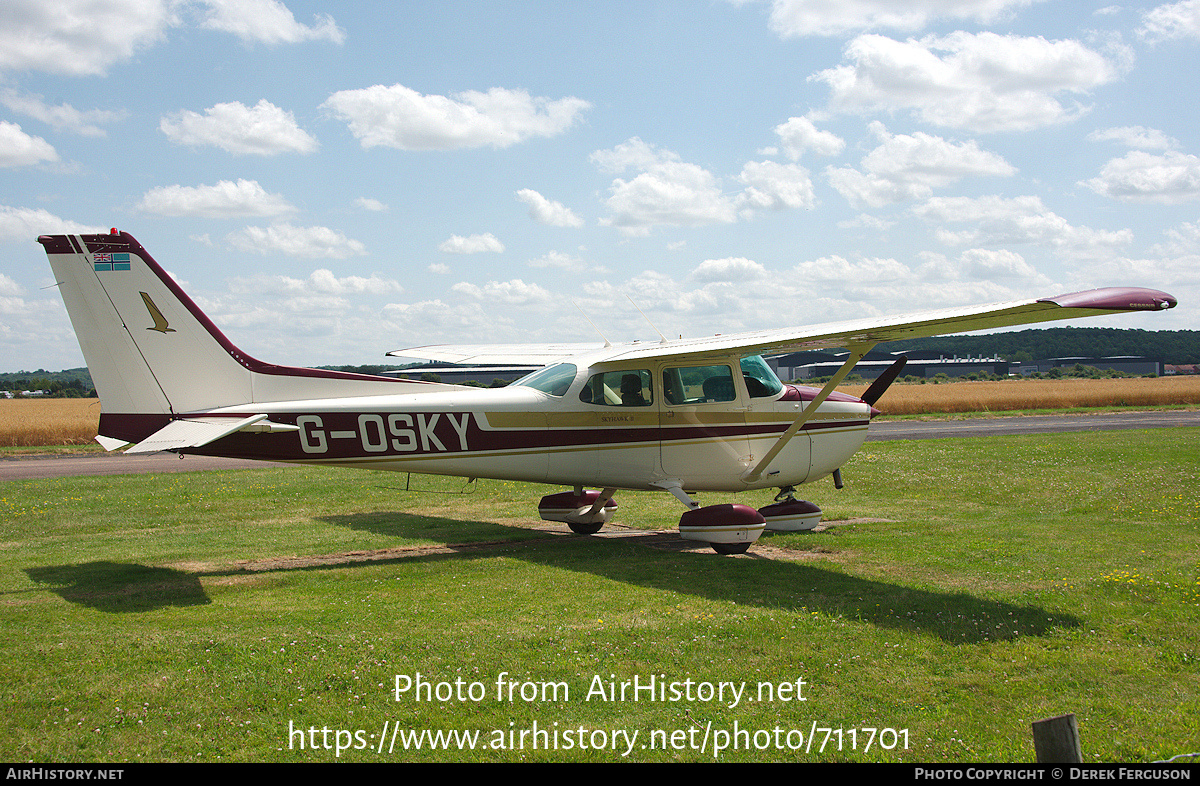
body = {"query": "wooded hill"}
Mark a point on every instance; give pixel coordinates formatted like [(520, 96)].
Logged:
[(72, 383), (1171, 346)]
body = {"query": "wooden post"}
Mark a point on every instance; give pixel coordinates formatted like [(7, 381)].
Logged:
[(1056, 740)]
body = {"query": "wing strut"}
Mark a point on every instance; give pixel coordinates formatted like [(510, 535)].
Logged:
[(857, 352)]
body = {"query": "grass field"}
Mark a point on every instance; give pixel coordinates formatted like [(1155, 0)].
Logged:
[(73, 422), (209, 616)]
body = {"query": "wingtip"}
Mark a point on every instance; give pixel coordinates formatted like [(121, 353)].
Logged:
[(1116, 299)]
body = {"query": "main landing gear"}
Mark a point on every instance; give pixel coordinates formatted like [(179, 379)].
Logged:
[(729, 529), (789, 514), (585, 512)]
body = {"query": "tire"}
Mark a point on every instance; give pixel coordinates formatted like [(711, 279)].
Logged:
[(585, 529), (730, 548)]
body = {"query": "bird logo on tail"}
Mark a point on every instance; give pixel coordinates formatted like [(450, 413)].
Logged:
[(160, 322)]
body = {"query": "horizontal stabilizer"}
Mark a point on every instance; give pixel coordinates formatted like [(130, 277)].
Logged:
[(193, 433), (110, 444)]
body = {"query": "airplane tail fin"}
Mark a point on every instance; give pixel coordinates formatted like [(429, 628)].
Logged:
[(149, 349), (152, 352)]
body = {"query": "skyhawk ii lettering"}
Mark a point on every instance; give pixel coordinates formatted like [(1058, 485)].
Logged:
[(682, 416)]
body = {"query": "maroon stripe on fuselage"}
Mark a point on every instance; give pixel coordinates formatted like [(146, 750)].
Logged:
[(350, 435)]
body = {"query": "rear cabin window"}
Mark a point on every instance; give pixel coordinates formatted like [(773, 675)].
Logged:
[(698, 385), (628, 388)]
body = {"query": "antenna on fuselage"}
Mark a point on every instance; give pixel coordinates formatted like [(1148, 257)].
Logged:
[(607, 343), (643, 313)]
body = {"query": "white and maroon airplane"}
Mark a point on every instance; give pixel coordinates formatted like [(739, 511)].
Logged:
[(704, 414)]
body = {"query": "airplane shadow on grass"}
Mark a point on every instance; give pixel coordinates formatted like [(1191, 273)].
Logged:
[(621, 555), (121, 587)]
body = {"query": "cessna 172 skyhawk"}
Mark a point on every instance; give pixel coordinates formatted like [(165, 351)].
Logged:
[(704, 414)]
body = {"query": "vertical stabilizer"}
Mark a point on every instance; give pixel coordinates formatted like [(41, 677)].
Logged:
[(146, 344), (152, 352)]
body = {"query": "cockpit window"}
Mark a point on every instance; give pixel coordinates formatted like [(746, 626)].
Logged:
[(626, 388), (553, 379), (761, 381)]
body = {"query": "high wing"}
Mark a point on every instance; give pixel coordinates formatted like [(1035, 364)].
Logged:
[(498, 354), (858, 332)]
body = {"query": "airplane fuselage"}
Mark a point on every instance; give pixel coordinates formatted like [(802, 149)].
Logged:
[(522, 433)]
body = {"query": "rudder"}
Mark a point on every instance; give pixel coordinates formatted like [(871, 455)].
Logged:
[(145, 343)]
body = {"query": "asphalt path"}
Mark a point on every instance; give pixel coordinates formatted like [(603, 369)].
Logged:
[(32, 467), (1030, 424)]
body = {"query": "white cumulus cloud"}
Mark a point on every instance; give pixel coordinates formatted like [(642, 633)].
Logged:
[(399, 117), (78, 37), (226, 199), (667, 192), (774, 186), (63, 117), (263, 129), (1135, 136), (25, 224), (310, 242), (560, 261), (999, 220), (729, 269), (992, 263), (1170, 178), (321, 282), (268, 22), (1171, 21), (906, 167), (471, 244), (797, 18), (20, 149), (545, 211), (799, 135), (514, 292), (984, 82)]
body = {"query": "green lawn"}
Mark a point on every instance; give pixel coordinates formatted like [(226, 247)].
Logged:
[(1015, 578)]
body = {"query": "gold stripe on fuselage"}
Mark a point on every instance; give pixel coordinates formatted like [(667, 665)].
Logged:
[(619, 418)]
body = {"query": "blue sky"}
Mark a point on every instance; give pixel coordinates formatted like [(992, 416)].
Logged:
[(334, 181)]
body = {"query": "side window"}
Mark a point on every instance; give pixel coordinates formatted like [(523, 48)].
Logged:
[(553, 379), (698, 385), (626, 388), (761, 381)]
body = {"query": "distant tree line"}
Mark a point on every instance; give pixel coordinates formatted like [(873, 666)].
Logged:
[(72, 383), (1176, 347)]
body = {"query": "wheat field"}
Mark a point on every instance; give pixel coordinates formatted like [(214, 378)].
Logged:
[(1025, 394), (73, 421), (33, 422)]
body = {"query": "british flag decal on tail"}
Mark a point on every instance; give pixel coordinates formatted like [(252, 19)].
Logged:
[(106, 262)]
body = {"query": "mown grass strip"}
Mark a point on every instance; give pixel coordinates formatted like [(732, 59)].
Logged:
[(202, 616)]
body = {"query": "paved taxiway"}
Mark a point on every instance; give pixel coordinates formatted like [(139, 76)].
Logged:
[(32, 467), (1032, 424)]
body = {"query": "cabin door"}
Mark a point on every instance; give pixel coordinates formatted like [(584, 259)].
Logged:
[(703, 440)]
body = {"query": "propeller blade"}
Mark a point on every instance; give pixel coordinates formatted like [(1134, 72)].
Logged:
[(884, 381)]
